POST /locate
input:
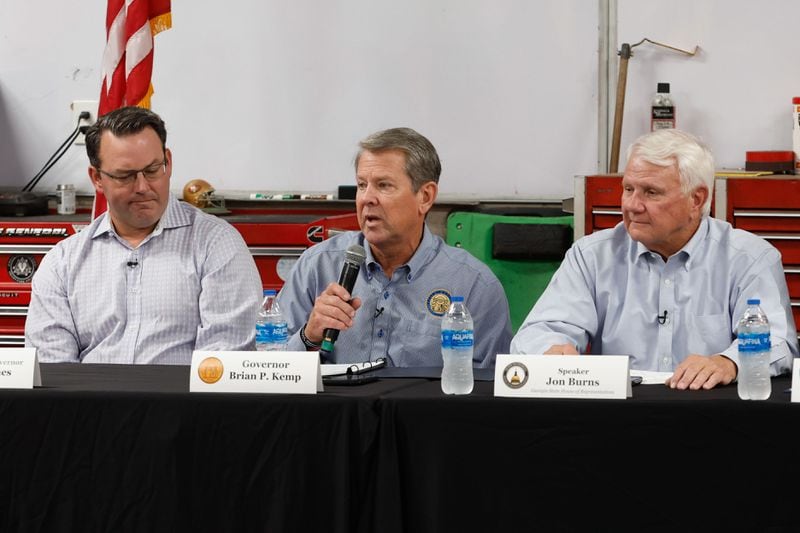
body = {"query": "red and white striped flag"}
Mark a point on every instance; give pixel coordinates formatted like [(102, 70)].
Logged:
[(128, 58)]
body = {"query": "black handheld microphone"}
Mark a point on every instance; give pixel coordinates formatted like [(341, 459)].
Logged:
[(353, 259)]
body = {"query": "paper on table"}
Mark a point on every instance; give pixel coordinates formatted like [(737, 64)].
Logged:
[(651, 377)]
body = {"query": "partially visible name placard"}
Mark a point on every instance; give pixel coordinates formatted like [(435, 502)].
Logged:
[(261, 372), (795, 381), (563, 376), (19, 368)]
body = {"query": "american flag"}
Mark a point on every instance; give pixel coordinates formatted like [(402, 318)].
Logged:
[(128, 58)]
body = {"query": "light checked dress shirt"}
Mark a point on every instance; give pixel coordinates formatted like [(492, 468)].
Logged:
[(190, 285), (400, 319), (610, 291)]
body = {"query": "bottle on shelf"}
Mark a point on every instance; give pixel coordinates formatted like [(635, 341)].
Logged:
[(66, 199), (457, 345), (271, 331), (754, 350), (662, 109)]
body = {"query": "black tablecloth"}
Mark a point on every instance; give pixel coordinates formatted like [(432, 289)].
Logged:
[(127, 448), (124, 448), (664, 460)]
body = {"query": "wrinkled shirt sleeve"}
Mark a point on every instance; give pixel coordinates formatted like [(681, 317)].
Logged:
[(564, 314), (297, 297), (766, 280), (230, 295), (49, 326)]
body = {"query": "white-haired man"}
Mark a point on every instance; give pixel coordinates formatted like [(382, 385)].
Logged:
[(668, 284)]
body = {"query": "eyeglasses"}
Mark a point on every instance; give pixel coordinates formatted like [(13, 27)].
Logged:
[(151, 173)]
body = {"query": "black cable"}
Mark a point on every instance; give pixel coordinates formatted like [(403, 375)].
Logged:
[(58, 154), (60, 151), (32, 183), (52, 161)]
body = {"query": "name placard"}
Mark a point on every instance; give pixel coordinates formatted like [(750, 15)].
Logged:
[(19, 368), (795, 381), (261, 372), (563, 376)]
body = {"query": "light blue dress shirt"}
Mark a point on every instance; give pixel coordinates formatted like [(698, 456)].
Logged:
[(610, 291), (399, 318), (190, 285)]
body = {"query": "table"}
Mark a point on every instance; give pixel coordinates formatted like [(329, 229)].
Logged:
[(664, 460), (128, 448)]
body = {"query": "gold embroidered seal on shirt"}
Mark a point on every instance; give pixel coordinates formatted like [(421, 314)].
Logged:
[(438, 302), (210, 370)]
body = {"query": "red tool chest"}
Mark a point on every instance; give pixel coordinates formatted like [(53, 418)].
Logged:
[(768, 206), (23, 243)]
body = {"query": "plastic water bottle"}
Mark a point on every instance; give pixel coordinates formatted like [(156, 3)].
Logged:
[(662, 109), (457, 343), (754, 350), (271, 332)]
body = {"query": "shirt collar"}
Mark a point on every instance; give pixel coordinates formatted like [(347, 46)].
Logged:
[(695, 244), (421, 257), (689, 249), (103, 226), (173, 217)]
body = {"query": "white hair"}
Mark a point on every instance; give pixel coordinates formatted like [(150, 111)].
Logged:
[(668, 147)]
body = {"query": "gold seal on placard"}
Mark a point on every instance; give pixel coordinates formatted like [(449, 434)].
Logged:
[(210, 370), (515, 375)]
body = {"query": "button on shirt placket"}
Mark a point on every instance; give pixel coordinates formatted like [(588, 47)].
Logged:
[(381, 322), (666, 306), (133, 306)]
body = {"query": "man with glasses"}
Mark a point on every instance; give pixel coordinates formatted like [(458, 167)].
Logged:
[(152, 279)]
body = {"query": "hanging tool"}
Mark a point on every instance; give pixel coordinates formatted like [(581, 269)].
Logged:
[(625, 53)]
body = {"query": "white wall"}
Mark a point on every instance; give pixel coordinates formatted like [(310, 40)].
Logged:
[(736, 93), (274, 95), (49, 56)]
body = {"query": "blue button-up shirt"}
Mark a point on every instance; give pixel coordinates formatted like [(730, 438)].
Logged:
[(611, 290), (401, 318), (190, 285)]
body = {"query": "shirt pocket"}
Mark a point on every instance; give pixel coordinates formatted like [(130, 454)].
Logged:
[(421, 342), (709, 334), (425, 328)]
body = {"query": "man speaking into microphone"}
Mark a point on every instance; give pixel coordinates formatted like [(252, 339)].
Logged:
[(394, 309)]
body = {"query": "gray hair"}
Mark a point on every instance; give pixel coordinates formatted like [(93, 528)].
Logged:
[(121, 122), (668, 147), (422, 161)]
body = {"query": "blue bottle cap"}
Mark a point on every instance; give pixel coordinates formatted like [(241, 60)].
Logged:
[(753, 301), (457, 299)]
